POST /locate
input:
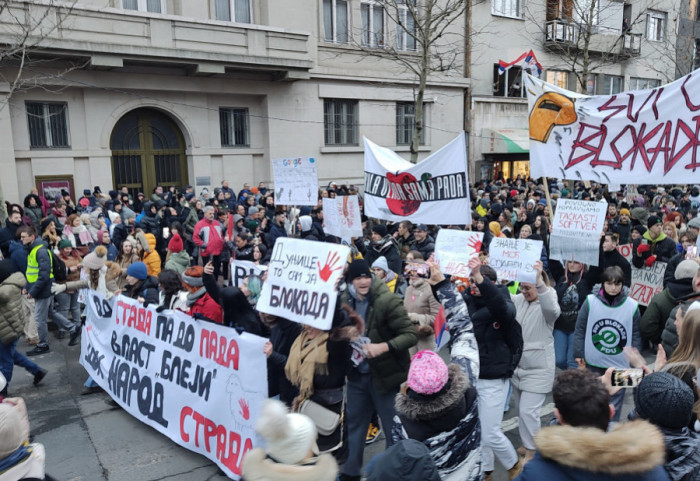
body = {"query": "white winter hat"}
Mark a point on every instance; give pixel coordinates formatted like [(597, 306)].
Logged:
[(288, 437), (381, 264)]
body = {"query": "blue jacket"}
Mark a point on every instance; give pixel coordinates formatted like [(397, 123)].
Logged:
[(632, 451)]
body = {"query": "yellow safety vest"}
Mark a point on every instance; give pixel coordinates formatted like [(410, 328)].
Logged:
[(33, 266)]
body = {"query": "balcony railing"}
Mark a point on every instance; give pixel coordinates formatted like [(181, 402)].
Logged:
[(561, 31), (632, 44)]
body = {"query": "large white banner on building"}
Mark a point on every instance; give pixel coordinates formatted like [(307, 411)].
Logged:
[(301, 280), (341, 217), (455, 248), (296, 181), (200, 384), (627, 138), (433, 191), (576, 231)]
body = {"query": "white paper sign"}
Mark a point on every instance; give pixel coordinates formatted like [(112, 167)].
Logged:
[(626, 138), (199, 383), (341, 217), (514, 259), (647, 282), (625, 251), (576, 231), (454, 249), (242, 269), (433, 191), (296, 181), (301, 279)]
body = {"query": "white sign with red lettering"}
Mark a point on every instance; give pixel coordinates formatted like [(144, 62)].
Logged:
[(576, 231), (625, 251), (454, 249), (301, 281), (646, 282), (341, 217), (199, 383)]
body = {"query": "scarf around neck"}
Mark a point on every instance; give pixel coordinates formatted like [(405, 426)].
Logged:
[(307, 357), (194, 296)]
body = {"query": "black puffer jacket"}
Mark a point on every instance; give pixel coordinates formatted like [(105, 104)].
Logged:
[(282, 336), (388, 248), (148, 289), (426, 247), (567, 319), (498, 335)]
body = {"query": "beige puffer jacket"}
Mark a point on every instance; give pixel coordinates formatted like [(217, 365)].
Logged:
[(11, 320)]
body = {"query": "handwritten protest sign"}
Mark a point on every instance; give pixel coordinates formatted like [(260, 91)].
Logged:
[(301, 281), (514, 259), (647, 282), (454, 249), (624, 138), (199, 383), (242, 269), (341, 217), (576, 231), (296, 181), (625, 251)]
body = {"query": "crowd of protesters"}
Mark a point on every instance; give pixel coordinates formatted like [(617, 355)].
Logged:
[(377, 369)]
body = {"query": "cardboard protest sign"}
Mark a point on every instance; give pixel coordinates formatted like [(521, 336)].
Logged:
[(296, 181), (341, 217), (514, 259), (454, 249), (576, 231), (199, 383), (625, 138), (433, 191), (242, 269), (647, 282), (301, 280)]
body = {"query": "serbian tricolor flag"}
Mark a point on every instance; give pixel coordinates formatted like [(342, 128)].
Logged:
[(529, 63), (440, 326)]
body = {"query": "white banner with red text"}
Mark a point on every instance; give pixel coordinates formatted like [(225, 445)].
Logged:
[(301, 281), (433, 191), (626, 138), (200, 384), (647, 282), (455, 248)]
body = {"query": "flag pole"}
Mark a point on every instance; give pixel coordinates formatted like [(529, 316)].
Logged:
[(549, 201)]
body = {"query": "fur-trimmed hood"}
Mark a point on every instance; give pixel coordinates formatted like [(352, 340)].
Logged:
[(348, 332), (419, 410), (630, 448), (257, 467)]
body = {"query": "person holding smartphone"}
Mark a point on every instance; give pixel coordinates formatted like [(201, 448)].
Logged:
[(422, 307)]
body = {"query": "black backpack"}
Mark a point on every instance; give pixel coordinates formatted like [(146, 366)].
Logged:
[(60, 271)]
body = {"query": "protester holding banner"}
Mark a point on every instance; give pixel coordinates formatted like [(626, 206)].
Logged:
[(607, 322), (572, 290), (140, 285), (500, 341), (653, 246), (536, 310), (382, 360)]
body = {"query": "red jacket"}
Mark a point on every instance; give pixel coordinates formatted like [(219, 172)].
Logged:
[(208, 233), (209, 308)]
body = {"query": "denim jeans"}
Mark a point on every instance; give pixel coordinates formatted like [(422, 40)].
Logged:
[(564, 350), (9, 356), (43, 310), (66, 303)]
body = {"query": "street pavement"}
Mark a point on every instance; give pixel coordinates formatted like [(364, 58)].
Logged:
[(88, 440)]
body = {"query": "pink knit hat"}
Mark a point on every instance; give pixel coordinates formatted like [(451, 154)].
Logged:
[(428, 373)]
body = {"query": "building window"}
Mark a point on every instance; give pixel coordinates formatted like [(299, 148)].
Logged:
[(340, 121), (405, 119), (152, 6), (234, 126), (48, 125), (506, 8), (637, 83), (612, 84), (591, 82), (233, 10), (508, 83), (335, 21), (559, 78), (372, 24), (406, 30), (656, 26)]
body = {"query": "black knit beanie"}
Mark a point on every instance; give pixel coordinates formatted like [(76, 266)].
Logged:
[(664, 400), (358, 268)]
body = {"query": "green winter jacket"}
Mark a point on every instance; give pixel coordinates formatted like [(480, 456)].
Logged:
[(178, 261), (11, 321), (387, 321)]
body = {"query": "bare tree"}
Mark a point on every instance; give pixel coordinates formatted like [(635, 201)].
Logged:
[(428, 40), (26, 28)]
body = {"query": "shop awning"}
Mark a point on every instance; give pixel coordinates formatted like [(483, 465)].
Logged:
[(505, 141)]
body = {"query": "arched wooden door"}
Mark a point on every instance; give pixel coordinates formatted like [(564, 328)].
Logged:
[(148, 149)]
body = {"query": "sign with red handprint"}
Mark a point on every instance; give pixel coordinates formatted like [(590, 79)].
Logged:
[(341, 217), (301, 281), (454, 248)]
